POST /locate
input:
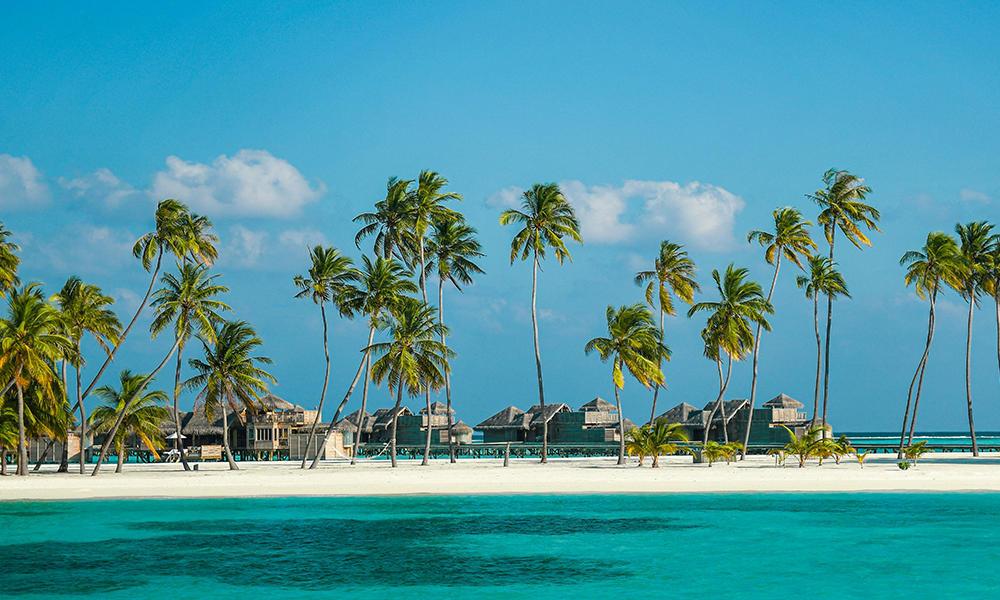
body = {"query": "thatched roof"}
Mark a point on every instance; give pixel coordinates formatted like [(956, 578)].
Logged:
[(437, 408), (511, 417), (350, 422), (461, 427), (538, 416), (678, 414), (382, 419), (167, 427), (198, 423), (599, 404), (272, 403), (783, 401)]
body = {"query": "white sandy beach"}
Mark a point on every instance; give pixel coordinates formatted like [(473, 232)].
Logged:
[(934, 473)]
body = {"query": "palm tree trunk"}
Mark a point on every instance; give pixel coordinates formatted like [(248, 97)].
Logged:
[(829, 323), (447, 374), (659, 363), (395, 418), (916, 403), (225, 439), (64, 455), (723, 384), (366, 362), (621, 429), (83, 423), (22, 442), (343, 403), (322, 396), (968, 375), (179, 441), (538, 360), (819, 354), (756, 349), (44, 454), (918, 374), (427, 392), (128, 404), (3, 462), (722, 401), (122, 450)]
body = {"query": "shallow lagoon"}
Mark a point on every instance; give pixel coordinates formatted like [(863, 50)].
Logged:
[(724, 545)]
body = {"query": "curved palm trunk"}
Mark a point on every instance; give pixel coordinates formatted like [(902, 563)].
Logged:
[(756, 349), (343, 403), (322, 396), (122, 451), (128, 404), (3, 462), (179, 440), (427, 392), (22, 445), (968, 376), (829, 323), (45, 454), (723, 384), (225, 439), (916, 404), (395, 418), (366, 362), (538, 360), (621, 429), (918, 374), (819, 354), (722, 401), (64, 455), (659, 363), (447, 374), (83, 423)]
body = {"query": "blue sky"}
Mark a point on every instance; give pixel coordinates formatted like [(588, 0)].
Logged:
[(688, 121)]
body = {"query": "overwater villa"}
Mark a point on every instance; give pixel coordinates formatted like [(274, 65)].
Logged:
[(411, 429), (766, 427), (595, 422)]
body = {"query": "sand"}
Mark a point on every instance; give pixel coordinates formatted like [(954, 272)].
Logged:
[(934, 473)]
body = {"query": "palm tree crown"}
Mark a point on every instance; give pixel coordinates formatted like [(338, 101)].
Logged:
[(186, 300), (843, 207), (389, 221), (547, 218), (790, 238), (329, 276), (229, 373), (741, 302), (84, 309), (673, 272), (823, 279), (452, 245), (977, 242), (633, 342), (414, 359), (144, 418), (9, 262), (939, 261)]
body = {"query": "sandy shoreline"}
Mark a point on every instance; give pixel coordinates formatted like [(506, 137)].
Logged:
[(935, 473)]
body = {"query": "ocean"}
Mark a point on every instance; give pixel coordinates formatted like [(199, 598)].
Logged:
[(745, 546)]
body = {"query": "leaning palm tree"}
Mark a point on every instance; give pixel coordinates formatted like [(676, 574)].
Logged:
[(329, 277), (30, 344), (935, 265), (452, 246), (790, 239), (547, 218), (635, 343), (413, 360), (843, 207), (823, 280), (673, 272), (389, 221), (187, 301), (144, 416), (9, 262), (381, 287), (85, 309), (229, 377), (728, 331), (977, 243)]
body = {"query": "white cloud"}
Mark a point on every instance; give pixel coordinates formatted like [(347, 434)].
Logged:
[(103, 186), (967, 195), (302, 238), (245, 246), (251, 183), (700, 215), (85, 249), (505, 198), (21, 184)]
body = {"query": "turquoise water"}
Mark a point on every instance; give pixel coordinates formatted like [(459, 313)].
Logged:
[(983, 438), (745, 546)]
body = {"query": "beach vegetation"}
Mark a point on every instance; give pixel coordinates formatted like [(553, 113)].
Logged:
[(713, 451), (917, 450), (656, 440), (806, 446), (904, 465), (861, 456), (144, 415)]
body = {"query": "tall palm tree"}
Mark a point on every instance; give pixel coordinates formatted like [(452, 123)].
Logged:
[(9, 262), (452, 246), (389, 223), (673, 272), (741, 303), (30, 344), (547, 218), (382, 285), (977, 243), (178, 232), (413, 360), (635, 343), (843, 208), (823, 280), (187, 302), (229, 376), (991, 285), (85, 309), (44, 412), (937, 263), (790, 239), (144, 417), (329, 277)]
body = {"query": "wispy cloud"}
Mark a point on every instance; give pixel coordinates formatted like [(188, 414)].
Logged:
[(967, 195), (22, 185)]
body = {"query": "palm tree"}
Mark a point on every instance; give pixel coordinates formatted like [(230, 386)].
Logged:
[(85, 309), (823, 280), (547, 218), (9, 262), (635, 343), (389, 221), (187, 302), (843, 207), (229, 376), (937, 262), (329, 277), (728, 329), (414, 360), (790, 239), (713, 451), (30, 344), (178, 232), (452, 245), (807, 446), (991, 285), (655, 440), (44, 412), (144, 416), (381, 287), (977, 242), (673, 272)]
